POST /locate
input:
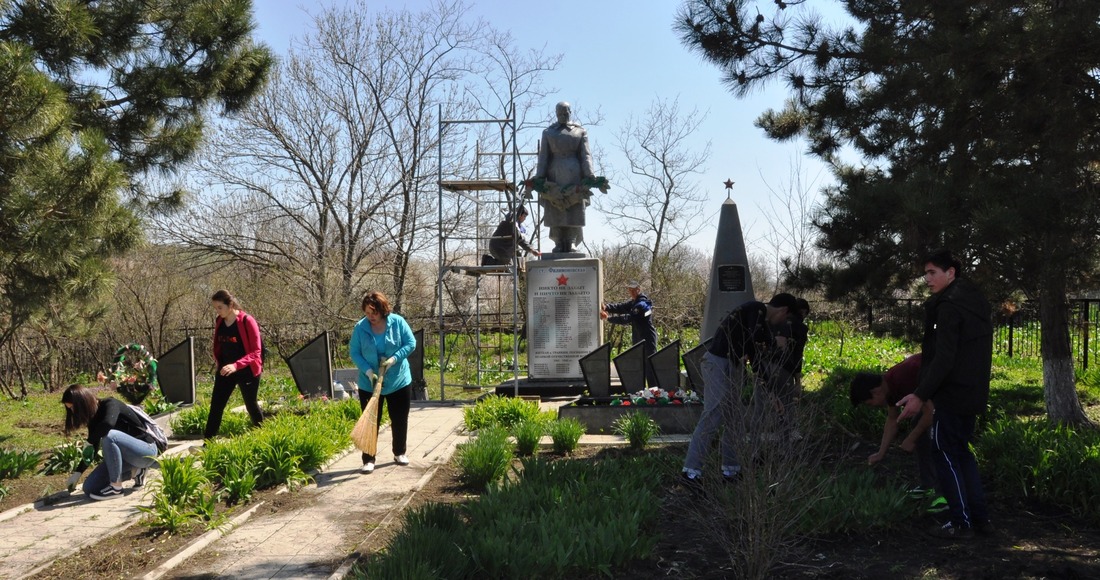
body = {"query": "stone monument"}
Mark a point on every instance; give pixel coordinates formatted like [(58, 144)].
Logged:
[(564, 287), (730, 283), (564, 181)]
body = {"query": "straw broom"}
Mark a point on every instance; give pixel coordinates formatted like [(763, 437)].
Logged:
[(365, 432)]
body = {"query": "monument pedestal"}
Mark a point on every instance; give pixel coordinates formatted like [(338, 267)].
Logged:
[(563, 318)]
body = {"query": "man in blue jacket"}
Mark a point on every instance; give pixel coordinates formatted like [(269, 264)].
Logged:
[(638, 313), (957, 352)]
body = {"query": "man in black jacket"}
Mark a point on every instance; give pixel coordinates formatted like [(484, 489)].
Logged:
[(957, 352), (502, 244), (744, 336)]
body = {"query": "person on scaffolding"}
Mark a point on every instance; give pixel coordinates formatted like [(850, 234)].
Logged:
[(502, 245)]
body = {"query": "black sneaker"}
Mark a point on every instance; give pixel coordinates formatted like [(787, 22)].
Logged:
[(732, 477), (139, 478), (693, 483), (985, 528), (950, 532), (109, 492)]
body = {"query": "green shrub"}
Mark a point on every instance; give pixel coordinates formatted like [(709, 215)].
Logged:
[(182, 495), (528, 434), (485, 459), (1034, 459), (66, 458), (637, 427), (15, 463), (190, 423), (496, 410), (558, 519), (429, 529), (565, 434), (232, 464), (856, 500)]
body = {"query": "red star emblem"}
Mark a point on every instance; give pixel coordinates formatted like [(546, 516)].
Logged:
[(562, 280)]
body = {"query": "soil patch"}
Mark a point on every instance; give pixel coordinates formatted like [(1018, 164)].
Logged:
[(137, 549), (29, 489)]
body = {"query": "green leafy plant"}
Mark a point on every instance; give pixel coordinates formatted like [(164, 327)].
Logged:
[(486, 458), (565, 434), (190, 423), (1054, 464), (238, 482), (67, 457), (182, 495), (496, 410), (277, 464), (155, 404), (15, 463), (528, 434), (637, 427), (857, 500), (591, 516)]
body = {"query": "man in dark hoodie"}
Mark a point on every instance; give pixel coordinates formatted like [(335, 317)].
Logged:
[(957, 352)]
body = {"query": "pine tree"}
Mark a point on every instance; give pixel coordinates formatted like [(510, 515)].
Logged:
[(977, 126), (92, 96), (143, 72)]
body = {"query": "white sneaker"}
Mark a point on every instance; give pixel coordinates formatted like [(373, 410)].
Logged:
[(401, 459), (368, 467)]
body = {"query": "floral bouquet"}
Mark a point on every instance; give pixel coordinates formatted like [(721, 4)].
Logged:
[(658, 396), (133, 373)]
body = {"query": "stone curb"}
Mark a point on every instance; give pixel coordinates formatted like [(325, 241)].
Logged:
[(199, 543)]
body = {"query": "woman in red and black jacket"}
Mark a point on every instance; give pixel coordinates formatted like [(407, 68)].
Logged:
[(239, 359)]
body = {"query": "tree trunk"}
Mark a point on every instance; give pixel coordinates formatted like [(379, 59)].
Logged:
[(1059, 383)]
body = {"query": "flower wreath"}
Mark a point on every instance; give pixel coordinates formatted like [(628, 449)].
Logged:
[(658, 396), (134, 372)]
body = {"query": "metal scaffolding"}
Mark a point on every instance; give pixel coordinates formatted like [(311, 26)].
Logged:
[(491, 194)]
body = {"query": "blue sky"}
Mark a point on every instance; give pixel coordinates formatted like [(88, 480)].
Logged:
[(620, 55)]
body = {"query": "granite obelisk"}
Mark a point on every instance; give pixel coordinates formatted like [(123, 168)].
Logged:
[(730, 282)]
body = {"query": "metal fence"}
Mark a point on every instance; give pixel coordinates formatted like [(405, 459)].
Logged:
[(1016, 334)]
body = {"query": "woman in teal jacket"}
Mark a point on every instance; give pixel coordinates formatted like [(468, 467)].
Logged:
[(381, 343)]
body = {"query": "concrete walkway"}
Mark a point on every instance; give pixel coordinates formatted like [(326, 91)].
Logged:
[(313, 540)]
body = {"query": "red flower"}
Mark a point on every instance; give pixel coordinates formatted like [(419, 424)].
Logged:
[(625, 403), (677, 402), (651, 401)]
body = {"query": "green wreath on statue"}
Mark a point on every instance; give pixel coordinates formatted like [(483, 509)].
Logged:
[(134, 372), (564, 197)]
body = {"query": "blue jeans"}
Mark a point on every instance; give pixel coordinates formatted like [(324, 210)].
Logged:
[(956, 468), (723, 380), (122, 455)]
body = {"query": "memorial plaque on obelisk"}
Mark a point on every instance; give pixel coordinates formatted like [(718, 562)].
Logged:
[(563, 316)]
